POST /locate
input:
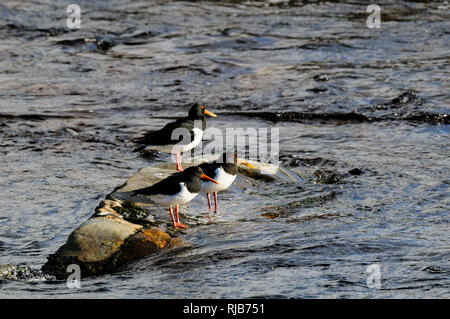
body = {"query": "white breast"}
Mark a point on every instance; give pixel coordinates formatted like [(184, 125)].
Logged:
[(198, 135), (183, 197), (173, 149), (223, 178)]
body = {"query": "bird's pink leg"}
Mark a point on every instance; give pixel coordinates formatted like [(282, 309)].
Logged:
[(171, 216), (178, 224), (208, 195), (179, 168), (216, 204)]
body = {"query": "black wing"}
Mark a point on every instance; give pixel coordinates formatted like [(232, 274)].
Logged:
[(168, 186), (164, 135)]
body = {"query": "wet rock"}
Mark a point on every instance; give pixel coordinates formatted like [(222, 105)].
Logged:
[(436, 270), (148, 241), (320, 77), (409, 96), (134, 214), (99, 238), (103, 244), (283, 116), (355, 171), (327, 177), (23, 272), (101, 43), (33, 117), (405, 98), (15, 29), (429, 118), (317, 89), (295, 161), (286, 210)]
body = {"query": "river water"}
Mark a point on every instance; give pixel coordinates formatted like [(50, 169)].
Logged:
[(362, 116)]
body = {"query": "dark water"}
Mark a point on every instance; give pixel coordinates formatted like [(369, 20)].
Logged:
[(346, 98)]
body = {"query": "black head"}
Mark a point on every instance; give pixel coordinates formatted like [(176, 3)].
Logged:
[(198, 112), (193, 172), (192, 175)]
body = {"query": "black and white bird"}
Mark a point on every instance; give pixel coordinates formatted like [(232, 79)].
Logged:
[(177, 189), (223, 170), (177, 137)]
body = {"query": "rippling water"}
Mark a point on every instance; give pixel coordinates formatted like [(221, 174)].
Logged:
[(363, 120)]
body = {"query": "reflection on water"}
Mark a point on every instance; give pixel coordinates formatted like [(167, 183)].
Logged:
[(363, 120)]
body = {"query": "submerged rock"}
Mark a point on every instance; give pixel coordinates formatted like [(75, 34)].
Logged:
[(23, 272), (291, 208), (327, 177), (409, 96), (320, 77), (355, 171)]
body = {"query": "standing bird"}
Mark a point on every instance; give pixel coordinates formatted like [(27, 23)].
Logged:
[(177, 189), (170, 139), (224, 171)]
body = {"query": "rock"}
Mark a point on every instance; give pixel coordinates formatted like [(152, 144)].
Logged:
[(291, 208), (124, 227), (355, 171), (320, 77), (103, 244), (148, 241), (317, 89), (98, 238), (126, 210), (327, 177)]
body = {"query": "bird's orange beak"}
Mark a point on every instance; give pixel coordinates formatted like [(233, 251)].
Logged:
[(208, 112), (208, 178)]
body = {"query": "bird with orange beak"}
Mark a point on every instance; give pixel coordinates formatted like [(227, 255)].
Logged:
[(170, 139), (177, 189), (223, 170)]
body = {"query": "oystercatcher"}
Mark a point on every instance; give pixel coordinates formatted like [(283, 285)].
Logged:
[(224, 171), (173, 138), (179, 188)]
